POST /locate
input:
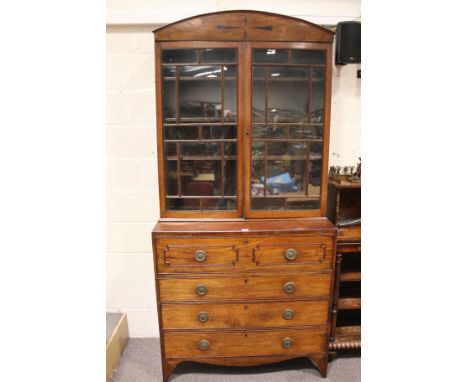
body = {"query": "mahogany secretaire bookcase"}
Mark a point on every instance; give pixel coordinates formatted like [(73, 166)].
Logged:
[(243, 252)]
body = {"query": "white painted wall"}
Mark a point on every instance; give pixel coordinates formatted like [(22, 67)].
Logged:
[(132, 197)]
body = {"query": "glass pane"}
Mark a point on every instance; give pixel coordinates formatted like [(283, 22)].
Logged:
[(306, 132), (270, 132), (276, 204), (230, 94), (303, 204), (200, 151), (209, 56), (317, 95), (169, 93), (180, 132), (200, 93), (201, 178), (170, 151), (219, 132), (219, 204), (258, 94), (287, 150), (312, 57), (287, 95), (182, 204), (171, 178), (270, 56), (258, 171), (286, 177), (179, 56), (230, 178)]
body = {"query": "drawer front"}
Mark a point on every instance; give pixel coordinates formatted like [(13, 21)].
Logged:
[(282, 253), (198, 255), (236, 315), (247, 286), (244, 343), (348, 247)]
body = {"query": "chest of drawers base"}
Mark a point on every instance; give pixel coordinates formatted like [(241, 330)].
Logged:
[(244, 296)]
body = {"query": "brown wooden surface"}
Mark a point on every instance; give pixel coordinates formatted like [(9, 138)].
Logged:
[(244, 343), (248, 254), (248, 286), (243, 26), (242, 227), (350, 233), (244, 315), (350, 276), (349, 303)]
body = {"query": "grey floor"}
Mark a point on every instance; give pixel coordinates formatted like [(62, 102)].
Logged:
[(140, 362)]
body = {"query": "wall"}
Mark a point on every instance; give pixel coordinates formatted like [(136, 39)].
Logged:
[(132, 199)]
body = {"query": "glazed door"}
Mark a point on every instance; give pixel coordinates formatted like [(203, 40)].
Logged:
[(287, 121), (200, 125)]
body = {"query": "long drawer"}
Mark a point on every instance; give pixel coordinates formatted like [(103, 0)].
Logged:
[(202, 255), (244, 343), (244, 315), (245, 286)]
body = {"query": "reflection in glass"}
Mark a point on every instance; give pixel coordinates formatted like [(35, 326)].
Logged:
[(287, 95), (179, 56), (200, 92), (270, 56), (317, 95), (218, 56), (230, 94)]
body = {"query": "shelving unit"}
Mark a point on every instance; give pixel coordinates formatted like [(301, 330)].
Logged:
[(344, 205)]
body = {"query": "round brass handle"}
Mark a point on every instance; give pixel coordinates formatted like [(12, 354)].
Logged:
[(289, 287), (200, 256), (203, 345), (288, 314), (201, 290), (287, 342), (290, 254), (203, 316)]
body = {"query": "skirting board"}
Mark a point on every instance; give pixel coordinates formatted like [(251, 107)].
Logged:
[(116, 345)]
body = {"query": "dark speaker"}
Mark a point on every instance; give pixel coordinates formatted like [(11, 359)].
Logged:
[(348, 43)]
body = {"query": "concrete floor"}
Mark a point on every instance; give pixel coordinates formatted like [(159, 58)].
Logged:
[(141, 363)]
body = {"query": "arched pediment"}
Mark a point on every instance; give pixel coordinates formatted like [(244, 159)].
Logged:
[(243, 26)]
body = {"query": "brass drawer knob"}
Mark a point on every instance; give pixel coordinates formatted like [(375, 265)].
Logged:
[(201, 290), (288, 314), (203, 345), (287, 342), (290, 254), (203, 316), (289, 287), (200, 256)]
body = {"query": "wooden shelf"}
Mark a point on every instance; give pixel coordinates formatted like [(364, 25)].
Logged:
[(202, 157), (346, 337), (349, 303), (350, 276)]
